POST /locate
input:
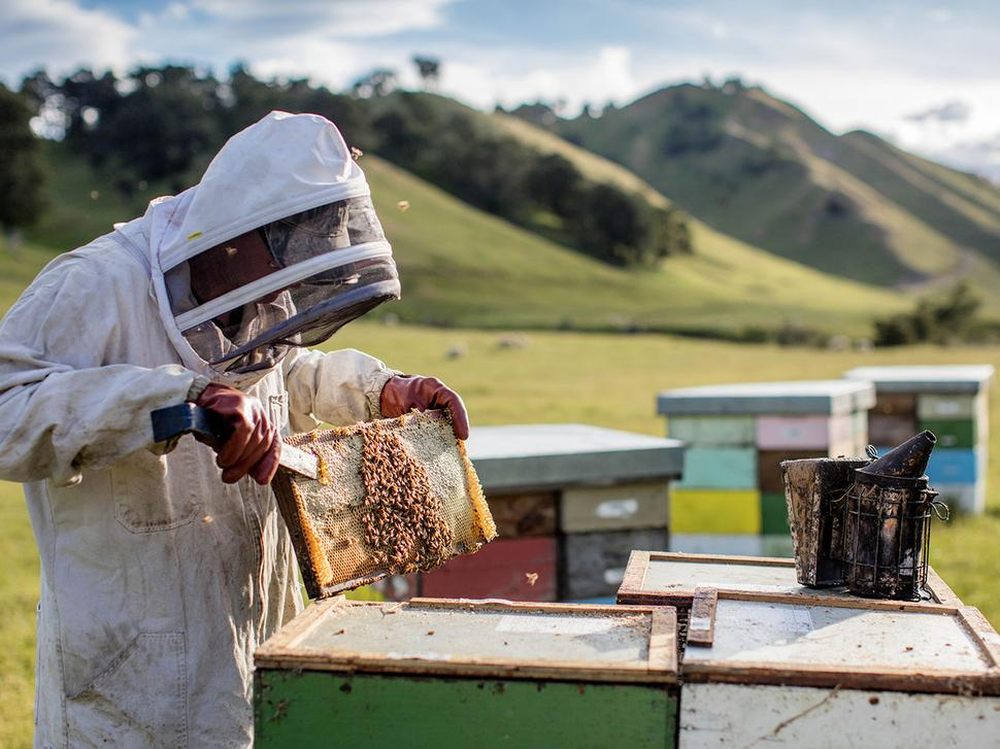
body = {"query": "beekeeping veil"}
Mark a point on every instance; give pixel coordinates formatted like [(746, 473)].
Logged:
[(288, 189)]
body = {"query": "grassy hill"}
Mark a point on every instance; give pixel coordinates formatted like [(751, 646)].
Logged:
[(761, 170), (463, 267)]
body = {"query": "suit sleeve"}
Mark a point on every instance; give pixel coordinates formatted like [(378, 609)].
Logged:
[(66, 404), (341, 387)]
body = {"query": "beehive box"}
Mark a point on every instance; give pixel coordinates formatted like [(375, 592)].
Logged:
[(462, 673), (833, 673), (518, 569), (593, 493), (952, 402), (731, 499), (655, 578)]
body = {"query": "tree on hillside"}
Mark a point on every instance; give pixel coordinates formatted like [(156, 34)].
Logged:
[(429, 70), (378, 82), (160, 129), (21, 180)]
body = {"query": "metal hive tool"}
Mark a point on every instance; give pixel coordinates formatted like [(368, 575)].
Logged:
[(391, 497)]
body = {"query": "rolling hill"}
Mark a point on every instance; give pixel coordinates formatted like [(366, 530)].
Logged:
[(757, 168), (463, 267)]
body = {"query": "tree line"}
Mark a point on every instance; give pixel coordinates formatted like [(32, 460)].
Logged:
[(162, 124)]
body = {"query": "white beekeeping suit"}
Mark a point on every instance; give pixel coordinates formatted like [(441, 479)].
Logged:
[(158, 580)]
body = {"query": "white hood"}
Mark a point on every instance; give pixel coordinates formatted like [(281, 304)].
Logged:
[(281, 165)]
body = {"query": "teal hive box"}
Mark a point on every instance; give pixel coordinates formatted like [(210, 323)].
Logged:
[(950, 401), (438, 673), (731, 498)]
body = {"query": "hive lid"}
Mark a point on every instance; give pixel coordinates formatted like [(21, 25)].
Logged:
[(855, 643), (926, 379), (540, 455), (480, 638), (655, 578), (833, 397)]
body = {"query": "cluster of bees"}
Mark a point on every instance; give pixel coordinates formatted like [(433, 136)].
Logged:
[(403, 521)]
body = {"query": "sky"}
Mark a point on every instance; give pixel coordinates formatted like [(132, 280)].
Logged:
[(924, 74)]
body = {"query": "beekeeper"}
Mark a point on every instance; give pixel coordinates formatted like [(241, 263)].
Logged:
[(161, 573)]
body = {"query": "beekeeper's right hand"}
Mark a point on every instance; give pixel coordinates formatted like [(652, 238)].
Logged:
[(253, 445)]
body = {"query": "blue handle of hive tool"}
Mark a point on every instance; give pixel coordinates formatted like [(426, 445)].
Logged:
[(187, 418)]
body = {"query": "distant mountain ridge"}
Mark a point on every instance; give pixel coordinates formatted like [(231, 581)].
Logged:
[(758, 168)]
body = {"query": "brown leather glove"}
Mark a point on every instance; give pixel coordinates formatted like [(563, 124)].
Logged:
[(402, 394), (253, 445)]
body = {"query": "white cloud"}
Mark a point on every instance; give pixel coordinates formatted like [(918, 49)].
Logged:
[(61, 36), (342, 19), (604, 75)]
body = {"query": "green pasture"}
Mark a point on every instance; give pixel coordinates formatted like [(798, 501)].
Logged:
[(507, 377)]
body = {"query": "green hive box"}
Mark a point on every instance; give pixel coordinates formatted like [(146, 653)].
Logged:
[(462, 673)]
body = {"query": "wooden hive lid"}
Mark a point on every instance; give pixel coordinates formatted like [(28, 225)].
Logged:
[(854, 644), (492, 639), (830, 397), (520, 456), (962, 378), (654, 578)]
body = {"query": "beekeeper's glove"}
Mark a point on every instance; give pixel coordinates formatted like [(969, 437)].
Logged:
[(404, 393), (253, 445)]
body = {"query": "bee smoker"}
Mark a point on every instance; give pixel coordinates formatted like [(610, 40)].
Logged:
[(887, 523)]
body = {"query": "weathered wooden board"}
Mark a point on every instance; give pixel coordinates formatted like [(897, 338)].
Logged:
[(701, 622), (524, 514), (654, 578), (720, 468), (521, 569), (736, 544), (714, 510), (321, 710), (712, 431), (713, 716), (762, 639), (622, 506), (485, 639), (593, 563)]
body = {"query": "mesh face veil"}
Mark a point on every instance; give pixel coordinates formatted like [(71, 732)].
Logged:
[(298, 280)]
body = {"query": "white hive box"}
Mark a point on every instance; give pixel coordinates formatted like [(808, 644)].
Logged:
[(655, 578), (950, 401), (841, 673)]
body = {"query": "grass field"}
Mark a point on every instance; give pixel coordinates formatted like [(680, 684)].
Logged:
[(607, 380)]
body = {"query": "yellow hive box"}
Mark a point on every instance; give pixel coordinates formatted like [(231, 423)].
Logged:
[(715, 511)]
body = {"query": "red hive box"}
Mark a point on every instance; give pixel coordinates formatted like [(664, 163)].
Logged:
[(499, 570)]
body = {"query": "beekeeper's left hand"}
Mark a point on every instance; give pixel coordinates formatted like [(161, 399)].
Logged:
[(404, 393)]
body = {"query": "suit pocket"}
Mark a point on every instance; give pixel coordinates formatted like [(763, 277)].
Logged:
[(138, 700), (156, 492)]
